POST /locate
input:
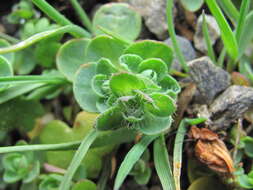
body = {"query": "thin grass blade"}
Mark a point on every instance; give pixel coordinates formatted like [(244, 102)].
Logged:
[(227, 35), (230, 10), (178, 147), (17, 90), (77, 159), (162, 164), (72, 29), (131, 158), (40, 147), (245, 5), (82, 15), (172, 33), (207, 38)]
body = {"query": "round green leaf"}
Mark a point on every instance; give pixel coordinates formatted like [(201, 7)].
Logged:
[(70, 56), (85, 185), (154, 64), (118, 18), (24, 61), (207, 183), (151, 49), (124, 84), (110, 119), (248, 145), (97, 84), (192, 5), (244, 182), (105, 67), (162, 105), (168, 83), (130, 62), (83, 92), (8, 56), (153, 125), (104, 47)]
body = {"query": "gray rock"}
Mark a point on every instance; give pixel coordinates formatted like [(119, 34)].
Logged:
[(230, 105), (187, 50), (154, 14), (213, 29), (210, 79)]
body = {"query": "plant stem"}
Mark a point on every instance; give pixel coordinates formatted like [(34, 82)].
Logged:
[(32, 79), (83, 16), (40, 147), (77, 159), (171, 29), (72, 29)]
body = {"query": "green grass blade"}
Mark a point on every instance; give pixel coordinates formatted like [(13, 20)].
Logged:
[(131, 158), (207, 38), (245, 5), (32, 79), (52, 12), (82, 15), (115, 36), (229, 9), (178, 147), (17, 90), (72, 29), (77, 159), (227, 35), (40, 147), (221, 58), (172, 33), (162, 164), (177, 153), (247, 34)]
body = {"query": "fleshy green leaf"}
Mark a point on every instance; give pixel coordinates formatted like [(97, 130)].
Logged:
[(104, 47), (124, 84), (85, 185), (105, 67), (154, 64), (193, 5), (169, 83), (248, 145), (118, 18), (204, 183), (70, 56), (130, 62), (97, 84), (83, 91), (9, 56), (162, 105), (151, 49), (110, 119), (244, 182), (152, 125), (14, 116)]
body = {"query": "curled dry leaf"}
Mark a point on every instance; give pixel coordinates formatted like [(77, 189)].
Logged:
[(211, 151)]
